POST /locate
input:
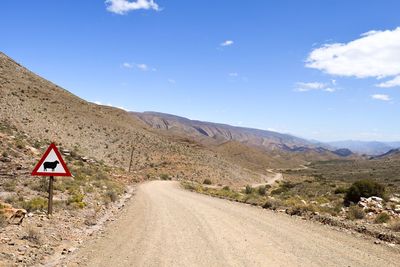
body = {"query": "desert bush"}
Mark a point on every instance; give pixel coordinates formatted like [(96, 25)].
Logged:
[(112, 195), (382, 217), (272, 204), (355, 213), (41, 186), (252, 200), (37, 203), (189, 186), (340, 190), (283, 187), (300, 209), (207, 181), (10, 185), (262, 190), (76, 200), (32, 235), (165, 177), (4, 154), (248, 189), (226, 188), (363, 188), (19, 144)]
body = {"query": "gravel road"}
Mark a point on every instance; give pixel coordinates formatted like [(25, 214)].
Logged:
[(165, 225)]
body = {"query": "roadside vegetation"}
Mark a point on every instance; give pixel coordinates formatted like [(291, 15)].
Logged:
[(321, 197), (93, 182)]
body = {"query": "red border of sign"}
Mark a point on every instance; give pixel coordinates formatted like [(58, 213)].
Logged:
[(51, 147)]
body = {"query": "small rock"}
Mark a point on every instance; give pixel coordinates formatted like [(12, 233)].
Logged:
[(21, 249), (395, 200), (378, 199), (377, 242), (5, 159)]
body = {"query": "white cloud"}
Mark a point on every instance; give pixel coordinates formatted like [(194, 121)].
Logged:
[(142, 67), (381, 97), (233, 74), (227, 43), (124, 6), (330, 90), (171, 81), (313, 86), (127, 65), (375, 54), (391, 83)]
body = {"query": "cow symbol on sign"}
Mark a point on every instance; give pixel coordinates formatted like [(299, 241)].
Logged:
[(50, 165)]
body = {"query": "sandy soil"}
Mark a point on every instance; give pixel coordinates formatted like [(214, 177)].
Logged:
[(165, 225)]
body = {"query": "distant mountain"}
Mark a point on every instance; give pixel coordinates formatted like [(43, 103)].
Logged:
[(366, 147), (222, 132), (390, 154), (276, 145)]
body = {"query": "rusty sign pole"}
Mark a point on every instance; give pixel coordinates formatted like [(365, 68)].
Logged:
[(50, 202)]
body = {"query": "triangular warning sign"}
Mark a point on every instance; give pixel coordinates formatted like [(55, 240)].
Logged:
[(51, 164)]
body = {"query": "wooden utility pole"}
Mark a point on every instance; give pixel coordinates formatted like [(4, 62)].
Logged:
[(50, 202), (130, 162)]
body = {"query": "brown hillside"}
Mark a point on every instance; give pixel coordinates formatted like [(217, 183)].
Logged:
[(46, 112)]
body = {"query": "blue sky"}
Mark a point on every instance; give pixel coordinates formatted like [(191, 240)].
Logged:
[(325, 70)]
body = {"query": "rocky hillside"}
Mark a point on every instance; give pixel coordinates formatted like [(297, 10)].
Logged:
[(45, 112)]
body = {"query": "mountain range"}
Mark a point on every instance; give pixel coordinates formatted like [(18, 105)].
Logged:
[(372, 148)]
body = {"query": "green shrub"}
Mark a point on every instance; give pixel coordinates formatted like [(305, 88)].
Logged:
[(165, 177), (382, 217), (207, 181), (189, 186), (283, 187), (262, 190), (340, 190), (355, 213), (76, 200), (248, 190), (363, 188), (37, 203), (20, 144), (226, 188)]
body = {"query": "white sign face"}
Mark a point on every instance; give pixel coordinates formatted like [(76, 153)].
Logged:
[(51, 164)]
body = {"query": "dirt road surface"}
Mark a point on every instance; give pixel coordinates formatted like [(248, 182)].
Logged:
[(165, 225)]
